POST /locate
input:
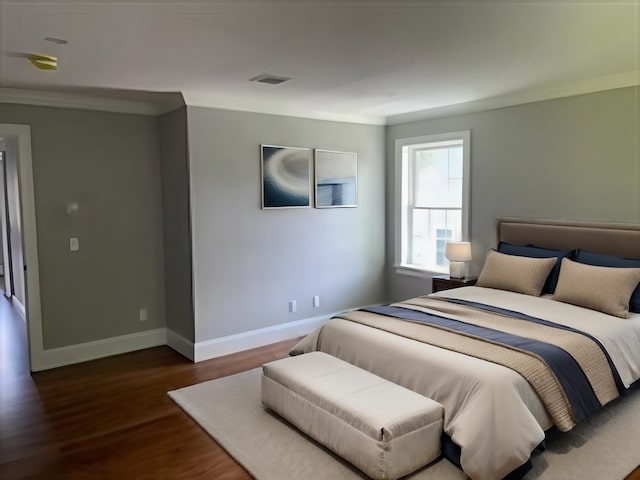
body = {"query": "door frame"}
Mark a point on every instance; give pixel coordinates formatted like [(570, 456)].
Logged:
[(5, 252), (33, 312)]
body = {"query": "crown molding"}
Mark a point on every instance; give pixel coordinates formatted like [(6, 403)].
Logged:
[(609, 82), (283, 110), (69, 100), (113, 104)]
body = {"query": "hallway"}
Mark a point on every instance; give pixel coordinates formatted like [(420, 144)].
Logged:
[(14, 354), (19, 405)]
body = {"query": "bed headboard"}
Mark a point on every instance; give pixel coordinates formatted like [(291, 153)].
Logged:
[(619, 239)]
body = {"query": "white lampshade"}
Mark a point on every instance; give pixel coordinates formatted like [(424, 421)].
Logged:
[(458, 251)]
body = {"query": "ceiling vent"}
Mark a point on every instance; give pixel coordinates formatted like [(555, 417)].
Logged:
[(57, 41), (269, 79)]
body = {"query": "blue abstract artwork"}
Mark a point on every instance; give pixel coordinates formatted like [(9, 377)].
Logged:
[(286, 177), (336, 179)]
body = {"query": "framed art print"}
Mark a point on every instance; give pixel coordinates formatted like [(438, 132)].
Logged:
[(336, 179), (286, 177)]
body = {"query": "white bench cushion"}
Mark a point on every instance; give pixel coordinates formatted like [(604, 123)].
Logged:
[(382, 428)]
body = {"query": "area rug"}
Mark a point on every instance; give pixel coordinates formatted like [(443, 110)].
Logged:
[(229, 409), (635, 475)]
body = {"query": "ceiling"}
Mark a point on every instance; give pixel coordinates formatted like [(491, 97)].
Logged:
[(376, 62)]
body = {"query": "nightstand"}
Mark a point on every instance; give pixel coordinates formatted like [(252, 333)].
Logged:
[(444, 282)]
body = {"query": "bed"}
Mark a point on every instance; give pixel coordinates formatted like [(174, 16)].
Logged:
[(496, 412)]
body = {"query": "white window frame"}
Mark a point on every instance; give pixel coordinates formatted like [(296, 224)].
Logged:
[(402, 191)]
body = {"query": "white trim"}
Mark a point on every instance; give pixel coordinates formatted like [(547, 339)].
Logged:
[(4, 230), (82, 352), (401, 194), (416, 272), (183, 346), (29, 240), (466, 183), (217, 347), (71, 100), (81, 102), (399, 199), (19, 307), (592, 85), (198, 352)]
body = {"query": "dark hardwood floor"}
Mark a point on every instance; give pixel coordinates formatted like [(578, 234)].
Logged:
[(635, 475), (110, 418)]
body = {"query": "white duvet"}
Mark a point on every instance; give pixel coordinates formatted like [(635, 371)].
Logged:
[(491, 411)]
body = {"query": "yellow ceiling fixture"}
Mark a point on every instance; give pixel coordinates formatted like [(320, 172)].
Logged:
[(43, 62)]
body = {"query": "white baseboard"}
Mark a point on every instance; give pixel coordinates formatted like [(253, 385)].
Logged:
[(82, 352), (180, 344), (217, 347)]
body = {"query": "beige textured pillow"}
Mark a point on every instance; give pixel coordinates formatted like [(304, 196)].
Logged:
[(606, 289), (514, 273)]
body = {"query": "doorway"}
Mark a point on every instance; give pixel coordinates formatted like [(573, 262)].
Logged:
[(18, 236), (13, 338), (6, 273), (12, 256)]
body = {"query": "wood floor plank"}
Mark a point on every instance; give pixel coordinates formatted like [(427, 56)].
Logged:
[(635, 475), (112, 418)]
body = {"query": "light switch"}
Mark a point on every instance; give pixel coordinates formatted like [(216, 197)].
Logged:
[(74, 244)]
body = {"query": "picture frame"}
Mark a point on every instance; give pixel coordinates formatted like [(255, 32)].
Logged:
[(336, 179), (285, 177)]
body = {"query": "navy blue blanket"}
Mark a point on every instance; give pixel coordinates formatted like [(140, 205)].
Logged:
[(523, 316), (573, 380)]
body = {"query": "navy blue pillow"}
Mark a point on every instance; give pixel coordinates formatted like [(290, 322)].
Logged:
[(600, 260), (537, 252)]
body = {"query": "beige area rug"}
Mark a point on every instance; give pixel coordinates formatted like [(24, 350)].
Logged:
[(607, 447)]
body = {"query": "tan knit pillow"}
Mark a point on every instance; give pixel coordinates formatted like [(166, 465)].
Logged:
[(514, 273), (606, 289)]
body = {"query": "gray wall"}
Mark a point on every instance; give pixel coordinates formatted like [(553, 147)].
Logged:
[(573, 158), (110, 164), (174, 155), (235, 271), (248, 263)]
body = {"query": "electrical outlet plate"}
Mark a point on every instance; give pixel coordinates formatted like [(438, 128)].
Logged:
[(293, 306), (316, 301), (144, 314)]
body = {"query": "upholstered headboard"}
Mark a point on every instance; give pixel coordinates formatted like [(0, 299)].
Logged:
[(619, 239)]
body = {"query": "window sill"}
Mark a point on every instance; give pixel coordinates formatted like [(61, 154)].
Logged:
[(412, 271)]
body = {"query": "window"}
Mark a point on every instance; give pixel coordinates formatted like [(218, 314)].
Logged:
[(432, 199)]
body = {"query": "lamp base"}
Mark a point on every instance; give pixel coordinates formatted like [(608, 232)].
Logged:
[(457, 269)]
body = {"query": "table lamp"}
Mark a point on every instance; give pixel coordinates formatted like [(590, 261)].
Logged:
[(458, 253)]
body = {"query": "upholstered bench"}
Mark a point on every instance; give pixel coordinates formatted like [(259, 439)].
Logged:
[(385, 430)]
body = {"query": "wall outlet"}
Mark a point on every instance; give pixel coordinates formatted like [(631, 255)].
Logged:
[(144, 315), (316, 301), (74, 244), (293, 306)]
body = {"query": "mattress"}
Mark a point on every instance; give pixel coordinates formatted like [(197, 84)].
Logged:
[(492, 413)]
